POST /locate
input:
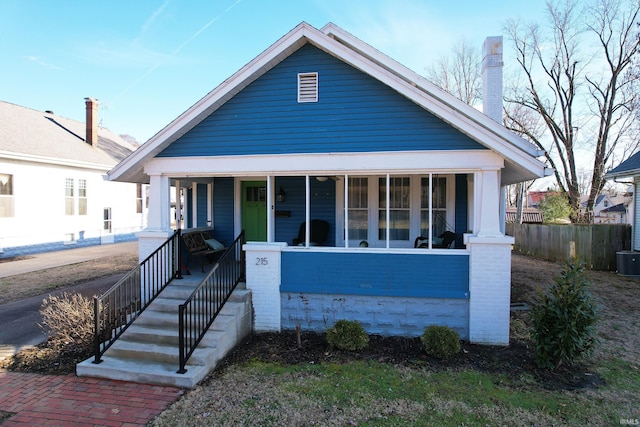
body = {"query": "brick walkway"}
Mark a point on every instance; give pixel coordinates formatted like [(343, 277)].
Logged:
[(68, 400)]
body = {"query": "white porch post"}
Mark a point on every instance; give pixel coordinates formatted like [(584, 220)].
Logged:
[(158, 213), (271, 197), (263, 279), (489, 266)]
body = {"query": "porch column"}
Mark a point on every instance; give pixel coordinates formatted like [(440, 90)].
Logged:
[(489, 266), (158, 222), (488, 202), (263, 278)]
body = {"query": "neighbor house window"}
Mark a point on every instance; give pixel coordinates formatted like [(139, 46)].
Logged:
[(399, 208), (82, 197), (106, 220), (69, 200), (358, 208), (439, 206), (6, 195), (138, 198)]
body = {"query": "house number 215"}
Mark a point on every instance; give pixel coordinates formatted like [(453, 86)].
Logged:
[(262, 261)]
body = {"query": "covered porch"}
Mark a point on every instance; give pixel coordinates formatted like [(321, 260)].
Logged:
[(369, 267)]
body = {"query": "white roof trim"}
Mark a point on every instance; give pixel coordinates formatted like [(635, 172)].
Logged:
[(9, 155), (358, 54)]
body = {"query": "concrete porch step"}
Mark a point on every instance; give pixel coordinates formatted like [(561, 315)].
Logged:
[(147, 352)]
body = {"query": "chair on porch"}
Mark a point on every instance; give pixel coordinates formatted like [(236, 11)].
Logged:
[(445, 241), (319, 233)]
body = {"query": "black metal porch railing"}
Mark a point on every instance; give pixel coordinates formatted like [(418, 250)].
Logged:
[(118, 307), (199, 311)]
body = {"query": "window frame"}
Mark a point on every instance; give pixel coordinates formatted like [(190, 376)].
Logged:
[(7, 201), (415, 210)]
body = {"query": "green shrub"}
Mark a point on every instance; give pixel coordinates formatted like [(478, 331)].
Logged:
[(347, 335), (69, 318), (564, 321), (440, 341)]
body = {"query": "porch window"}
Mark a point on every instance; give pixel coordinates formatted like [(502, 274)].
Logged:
[(82, 197), (358, 208), (69, 205), (439, 206), (6, 195), (399, 208)]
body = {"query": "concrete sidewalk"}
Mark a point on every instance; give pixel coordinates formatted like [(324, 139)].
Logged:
[(46, 260)]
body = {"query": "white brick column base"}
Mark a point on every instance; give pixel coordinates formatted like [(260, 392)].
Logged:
[(149, 241), (489, 288), (263, 279)]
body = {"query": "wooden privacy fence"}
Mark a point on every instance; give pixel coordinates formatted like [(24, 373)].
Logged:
[(594, 245)]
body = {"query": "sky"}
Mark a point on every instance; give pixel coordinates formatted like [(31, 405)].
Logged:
[(148, 61)]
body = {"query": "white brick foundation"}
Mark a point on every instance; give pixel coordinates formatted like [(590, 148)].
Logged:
[(489, 289), (264, 279)]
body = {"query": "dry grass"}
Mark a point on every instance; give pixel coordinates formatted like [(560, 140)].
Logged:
[(14, 288), (618, 296)]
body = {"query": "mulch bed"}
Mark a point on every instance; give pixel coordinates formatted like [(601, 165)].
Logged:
[(514, 361)]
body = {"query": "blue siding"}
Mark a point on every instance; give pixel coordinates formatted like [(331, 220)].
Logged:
[(461, 214), (201, 205), (223, 210), (355, 113), (322, 205), (376, 274)]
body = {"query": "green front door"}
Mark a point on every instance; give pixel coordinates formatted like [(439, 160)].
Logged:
[(254, 210)]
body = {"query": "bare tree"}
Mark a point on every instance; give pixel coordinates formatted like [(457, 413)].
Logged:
[(459, 73), (615, 28), (575, 76)]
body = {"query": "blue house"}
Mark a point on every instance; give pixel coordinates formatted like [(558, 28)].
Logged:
[(347, 173)]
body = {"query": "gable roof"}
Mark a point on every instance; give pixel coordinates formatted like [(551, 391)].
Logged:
[(520, 156), (43, 137), (629, 167)]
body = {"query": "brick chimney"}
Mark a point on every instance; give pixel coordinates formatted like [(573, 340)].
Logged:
[(92, 121), (492, 77)]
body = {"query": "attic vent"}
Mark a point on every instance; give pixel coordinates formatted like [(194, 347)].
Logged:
[(308, 87)]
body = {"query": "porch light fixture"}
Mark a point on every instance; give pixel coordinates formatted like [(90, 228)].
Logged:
[(321, 178), (281, 195)]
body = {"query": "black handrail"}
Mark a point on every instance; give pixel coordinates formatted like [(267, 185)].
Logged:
[(198, 312), (118, 307)]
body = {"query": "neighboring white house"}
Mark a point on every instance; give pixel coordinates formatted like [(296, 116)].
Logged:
[(53, 191)]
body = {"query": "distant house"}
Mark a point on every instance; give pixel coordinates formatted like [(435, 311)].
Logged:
[(608, 209), (53, 188), (529, 216), (322, 126)]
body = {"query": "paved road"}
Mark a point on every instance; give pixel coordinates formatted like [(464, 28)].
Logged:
[(20, 320)]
